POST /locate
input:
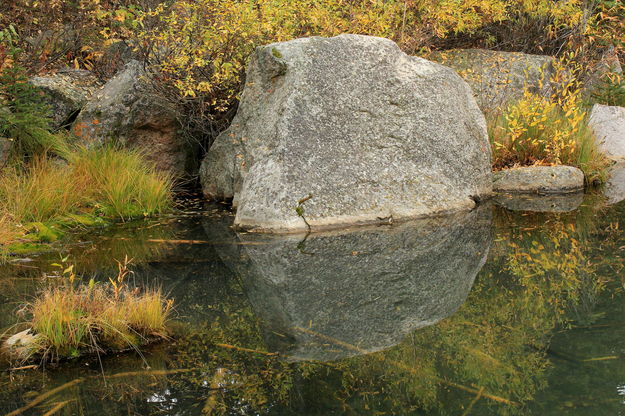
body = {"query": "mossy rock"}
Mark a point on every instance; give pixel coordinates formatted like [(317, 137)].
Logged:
[(45, 233), (25, 248)]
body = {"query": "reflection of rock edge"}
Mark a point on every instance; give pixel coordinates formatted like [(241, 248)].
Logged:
[(540, 203)]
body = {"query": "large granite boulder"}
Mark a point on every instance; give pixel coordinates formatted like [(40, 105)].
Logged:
[(343, 293), (348, 130), (127, 111), (498, 78), (608, 125), (67, 92)]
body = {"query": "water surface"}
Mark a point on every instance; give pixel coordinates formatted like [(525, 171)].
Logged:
[(491, 312)]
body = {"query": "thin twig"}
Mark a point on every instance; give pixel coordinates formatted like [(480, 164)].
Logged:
[(477, 397), (234, 347), (56, 408)]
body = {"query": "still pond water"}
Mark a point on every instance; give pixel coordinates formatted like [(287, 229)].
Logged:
[(493, 312)]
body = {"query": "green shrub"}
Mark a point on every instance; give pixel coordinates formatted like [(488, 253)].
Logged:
[(24, 117)]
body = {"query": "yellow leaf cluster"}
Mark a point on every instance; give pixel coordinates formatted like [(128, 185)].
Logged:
[(202, 45), (548, 130)]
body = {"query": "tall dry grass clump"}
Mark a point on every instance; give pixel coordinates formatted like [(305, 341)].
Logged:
[(73, 318), (539, 130), (122, 183), (109, 182), (37, 192)]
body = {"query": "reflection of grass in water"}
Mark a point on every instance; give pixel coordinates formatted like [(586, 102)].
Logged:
[(80, 389), (133, 239)]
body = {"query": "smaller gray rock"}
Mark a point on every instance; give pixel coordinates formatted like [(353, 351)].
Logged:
[(498, 78), (608, 125), (66, 92), (20, 346), (126, 110), (539, 180), (540, 203)]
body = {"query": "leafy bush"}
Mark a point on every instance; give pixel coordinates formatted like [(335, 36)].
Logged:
[(548, 130), (55, 33)]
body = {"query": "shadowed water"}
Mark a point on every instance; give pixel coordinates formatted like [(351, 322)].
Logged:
[(490, 312)]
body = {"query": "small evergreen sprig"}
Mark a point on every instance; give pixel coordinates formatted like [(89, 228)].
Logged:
[(24, 116), (610, 90)]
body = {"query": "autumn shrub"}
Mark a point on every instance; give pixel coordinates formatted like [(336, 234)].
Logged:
[(549, 129), (199, 48), (77, 33), (540, 130)]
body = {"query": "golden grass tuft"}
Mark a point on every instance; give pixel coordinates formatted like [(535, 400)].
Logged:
[(122, 182), (107, 181), (70, 319), (42, 190)]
